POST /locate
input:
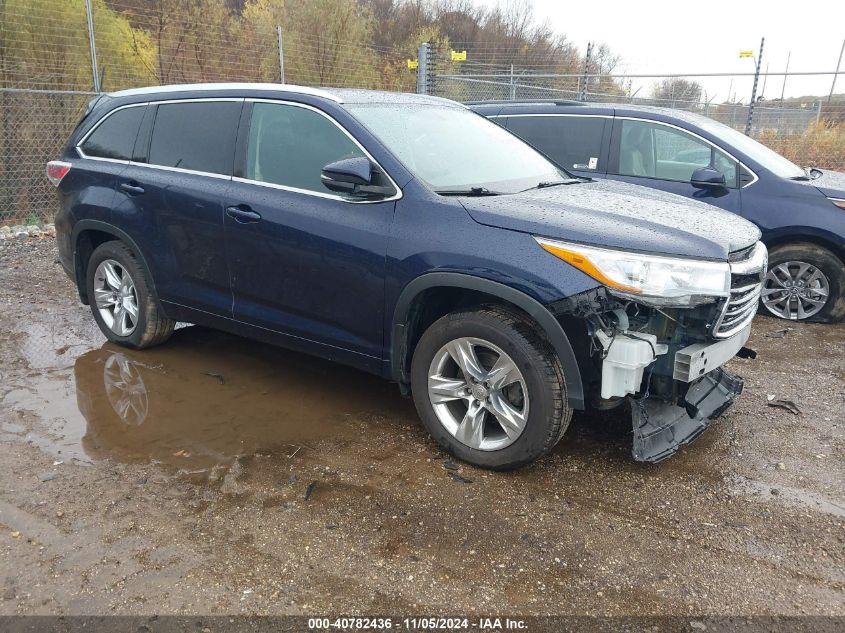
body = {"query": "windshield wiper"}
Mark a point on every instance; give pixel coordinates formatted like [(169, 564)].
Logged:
[(555, 183), (472, 191)]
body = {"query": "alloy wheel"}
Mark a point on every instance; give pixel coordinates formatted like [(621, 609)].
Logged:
[(478, 393), (115, 297), (795, 290)]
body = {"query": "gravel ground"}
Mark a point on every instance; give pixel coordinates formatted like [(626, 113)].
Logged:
[(214, 475)]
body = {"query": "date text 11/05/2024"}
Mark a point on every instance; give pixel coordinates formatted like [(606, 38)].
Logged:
[(415, 624)]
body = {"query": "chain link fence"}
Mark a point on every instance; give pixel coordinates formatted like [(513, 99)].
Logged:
[(780, 119), (55, 56)]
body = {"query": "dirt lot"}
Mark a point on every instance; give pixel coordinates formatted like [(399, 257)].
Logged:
[(215, 475)]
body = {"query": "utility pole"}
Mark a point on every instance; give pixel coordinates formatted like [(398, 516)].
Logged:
[(785, 74), (833, 85), (89, 13), (281, 54), (759, 61), (513, 86), (583, 95)]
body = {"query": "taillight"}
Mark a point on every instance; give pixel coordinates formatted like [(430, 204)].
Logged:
[(56, 170)]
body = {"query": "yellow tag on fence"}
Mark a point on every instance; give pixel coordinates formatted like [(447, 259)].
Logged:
[(412, 64), (746, 54), (459, 56)]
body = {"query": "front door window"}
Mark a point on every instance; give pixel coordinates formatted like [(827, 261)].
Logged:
[(657, 151)]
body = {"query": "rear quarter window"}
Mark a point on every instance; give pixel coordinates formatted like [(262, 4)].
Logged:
[(197, 136), (573, 142), (114, 136)]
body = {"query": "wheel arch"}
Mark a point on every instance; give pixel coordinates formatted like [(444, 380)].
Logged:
[(788, 239), (410, 320), (87, 236)]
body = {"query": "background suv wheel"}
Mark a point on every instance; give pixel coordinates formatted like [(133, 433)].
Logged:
[(805, 281), (121, 300), (488, 388)]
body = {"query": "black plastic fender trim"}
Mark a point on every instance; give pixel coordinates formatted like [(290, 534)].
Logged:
[(105, 227), (551, 327)]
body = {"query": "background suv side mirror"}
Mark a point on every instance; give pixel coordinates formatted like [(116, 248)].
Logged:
[(707, 178), (355, 176)]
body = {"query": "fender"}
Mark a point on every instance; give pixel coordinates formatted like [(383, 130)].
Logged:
[(550, 326), (105, 227), (814, 235)]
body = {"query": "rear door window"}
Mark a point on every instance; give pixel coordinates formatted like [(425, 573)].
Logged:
[(115, 136), (290, 145), (198, 136), (573, 142)]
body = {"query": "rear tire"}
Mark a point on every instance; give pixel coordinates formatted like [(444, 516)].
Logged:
[(511, 390), (806, 270), (121, 300)]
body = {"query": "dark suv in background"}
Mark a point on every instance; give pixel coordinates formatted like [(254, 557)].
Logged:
[(800, 211), (409, 237)]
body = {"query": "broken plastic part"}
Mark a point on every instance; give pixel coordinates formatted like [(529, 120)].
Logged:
[(694, 361), (661, 428)]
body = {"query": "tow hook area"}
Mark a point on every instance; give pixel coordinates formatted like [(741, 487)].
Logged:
[(661, 428)]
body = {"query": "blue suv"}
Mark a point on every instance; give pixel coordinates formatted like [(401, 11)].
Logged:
[(412, 238), (801, 212)]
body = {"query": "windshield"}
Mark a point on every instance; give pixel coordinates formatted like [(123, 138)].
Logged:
[(757, 152), (453, 149)]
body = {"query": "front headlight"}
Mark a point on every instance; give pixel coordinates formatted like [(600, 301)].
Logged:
[(649, 279)]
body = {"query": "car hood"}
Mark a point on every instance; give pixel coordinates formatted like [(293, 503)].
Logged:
[(618, 215), (830, 183)]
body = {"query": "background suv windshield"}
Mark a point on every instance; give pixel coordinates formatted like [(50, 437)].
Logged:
[(451, 148), (758, 152)]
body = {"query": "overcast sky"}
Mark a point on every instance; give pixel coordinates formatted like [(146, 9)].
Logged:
[(685, 36)]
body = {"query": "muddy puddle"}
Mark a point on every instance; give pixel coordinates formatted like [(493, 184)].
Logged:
[(203, 400)]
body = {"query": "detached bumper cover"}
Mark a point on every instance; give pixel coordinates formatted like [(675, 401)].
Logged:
[(661, 428)]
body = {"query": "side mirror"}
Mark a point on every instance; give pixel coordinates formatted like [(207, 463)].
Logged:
[(707, 178), (354, 176)]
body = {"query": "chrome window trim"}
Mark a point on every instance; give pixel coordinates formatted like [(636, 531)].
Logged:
[(396, 196), (181, 170), (150, 165), (319, 194), (698, 136), (78, 146), (634, 118)]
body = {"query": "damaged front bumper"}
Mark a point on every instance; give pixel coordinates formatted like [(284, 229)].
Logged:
[(661, 428), (680, 409), (667, 363), (662, 425)]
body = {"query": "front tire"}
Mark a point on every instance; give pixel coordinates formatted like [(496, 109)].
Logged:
[(121, 300), (805, 282), (489, 389)]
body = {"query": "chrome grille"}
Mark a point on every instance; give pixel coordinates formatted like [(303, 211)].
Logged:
[(747, 275)]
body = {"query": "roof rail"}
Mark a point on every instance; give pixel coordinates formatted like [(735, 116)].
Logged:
[(227, 86), (528, 102)]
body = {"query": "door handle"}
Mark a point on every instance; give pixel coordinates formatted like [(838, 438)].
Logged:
[(132, 188), (243, 214)]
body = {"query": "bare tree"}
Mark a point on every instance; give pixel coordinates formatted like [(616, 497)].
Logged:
[(674, 90)]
